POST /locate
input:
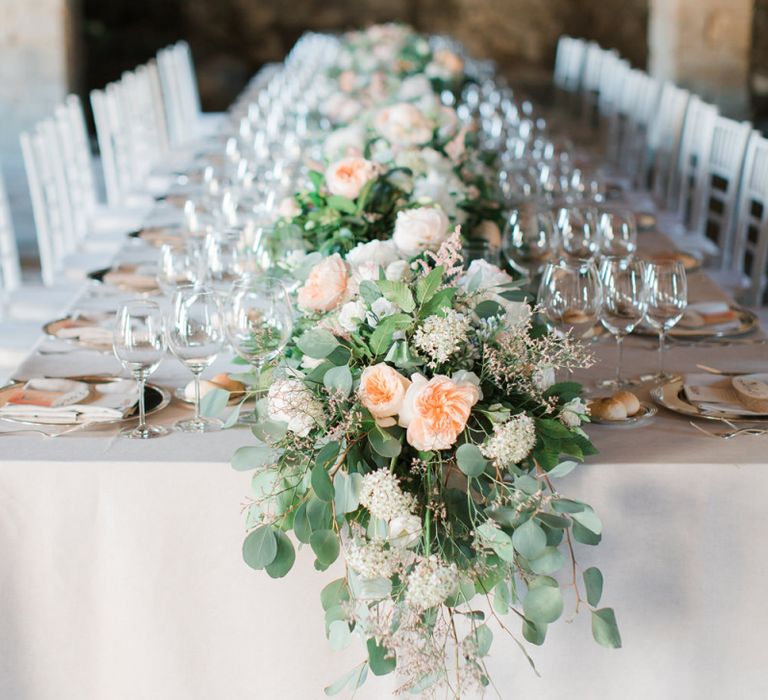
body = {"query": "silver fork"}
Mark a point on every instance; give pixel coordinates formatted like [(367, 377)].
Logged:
[(728, 434)]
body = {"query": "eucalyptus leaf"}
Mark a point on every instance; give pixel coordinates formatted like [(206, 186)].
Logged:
[(322, 484), (347, 488), (534, 632), (246, 458), (260, 547), (604, 628), (483, 637), (381, 660), (593, 582), (285, 557), (317, 343), (498, 540), (384, 443), (501, 598), (325, 545), (355, 678), (529, 539), (590, 520), (549, 561), (489, 309), (301, 524), (339, 636), (562, 469), (334, 593), (342, 204), (338, 380), (214, 402), (471, 460), (583, 535), (543, 604)]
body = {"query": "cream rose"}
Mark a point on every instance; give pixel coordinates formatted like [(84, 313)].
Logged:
[(327, 285), (436, 411), (417, 230), (382, 390), (347, 141), (346, 177), (367, 258), (403, 125)]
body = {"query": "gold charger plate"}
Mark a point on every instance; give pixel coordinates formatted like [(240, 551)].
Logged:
[(671, 396), (52, 327), (691, 262), (155, 399), (747, 323), (128, 278)]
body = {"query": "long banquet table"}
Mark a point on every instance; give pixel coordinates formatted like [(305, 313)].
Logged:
[(122, 577)]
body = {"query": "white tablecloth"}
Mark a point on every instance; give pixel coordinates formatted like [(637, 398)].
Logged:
[(121, 574)]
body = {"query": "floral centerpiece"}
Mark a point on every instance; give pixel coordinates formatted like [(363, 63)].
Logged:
[(413, 430)]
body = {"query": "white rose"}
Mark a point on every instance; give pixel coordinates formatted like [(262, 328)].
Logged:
[(291, 402), (341, 109), (346, 177), (571, 413), (416, 230), (351, 315), (380, 309), (414, 87), (445, 190), (482, 275), (347, 141), (367, 258), (288, 208), (404, 531), (398, 271), (403, 125)]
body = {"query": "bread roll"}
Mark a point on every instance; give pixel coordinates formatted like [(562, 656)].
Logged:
[(226, 382), (608, 409), (205, 388), (630, 401)]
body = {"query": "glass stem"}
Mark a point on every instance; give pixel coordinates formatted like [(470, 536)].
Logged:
[(141, 379), (620, 349), (197, 396), (662, 334)]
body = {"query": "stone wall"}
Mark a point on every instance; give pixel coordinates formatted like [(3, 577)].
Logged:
[(232, 38)]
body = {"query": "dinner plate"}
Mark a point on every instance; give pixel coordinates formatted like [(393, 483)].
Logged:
[(158, 236), (155, 399), (128, 278), (691, 262), (746, 322), (54, 328), (671, 396), (646, 411)]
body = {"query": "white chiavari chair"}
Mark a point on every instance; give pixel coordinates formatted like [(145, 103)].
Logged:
[(612, 79), (715, 202), (664, 138), (569, 66), (746, 278), (640, 105), (597, 63), (687, 177)]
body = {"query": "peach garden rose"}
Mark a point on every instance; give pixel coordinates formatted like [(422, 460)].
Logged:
[(346, 177), (436, 411), (382, 390), (420, 229), (327, 285)]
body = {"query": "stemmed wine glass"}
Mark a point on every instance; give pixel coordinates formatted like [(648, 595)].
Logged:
[(139, 343), (618, 234), (530, 238), (578, 232), (258, 322), (196, 336), (667, 299), (570, 295), (176, 267), (624, 304), (224, 258)]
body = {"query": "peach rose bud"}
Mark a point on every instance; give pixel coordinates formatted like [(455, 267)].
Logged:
[(326, 286), (382, 390), (346, 177)]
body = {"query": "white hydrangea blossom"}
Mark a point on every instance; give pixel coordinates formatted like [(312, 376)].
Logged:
[(371, 559), (439, 337), (382, 496), (430, 583), (290, 401), (511, 442)]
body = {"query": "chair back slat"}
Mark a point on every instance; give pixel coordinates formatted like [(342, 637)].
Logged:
[(664, 138), (9, 253)]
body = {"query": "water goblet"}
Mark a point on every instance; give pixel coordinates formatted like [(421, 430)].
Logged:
[(617, 233), (570, 295), (624, 305), (530, 238), (195, 337), (578, 232), (667, 299), (139, 344)]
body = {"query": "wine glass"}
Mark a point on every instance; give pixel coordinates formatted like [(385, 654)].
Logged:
[(258, 322), (617, 233), (578, 232), (667, 299), (139, 343), (225, 259), (530, 238), (176, 267), (196, 336), (481, 249), (624, 304), (570, 296)]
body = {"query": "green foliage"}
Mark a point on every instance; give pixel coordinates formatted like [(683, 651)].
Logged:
[(593, 582), (604, 628), (381, 660), (325, 545), (470, 460), (284, 558), (260, 547), (543, 604)]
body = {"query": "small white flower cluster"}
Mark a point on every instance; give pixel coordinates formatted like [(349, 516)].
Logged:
[(511, 442), (371, 559), (290, 401), (430, 583), (382, 496), (571, 414), (439, 337)]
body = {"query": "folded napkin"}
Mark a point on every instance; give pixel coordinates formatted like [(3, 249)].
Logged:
[(93, 335), (64, 415), (714, 393), (710, 314), (131, 280), (111, 401)]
